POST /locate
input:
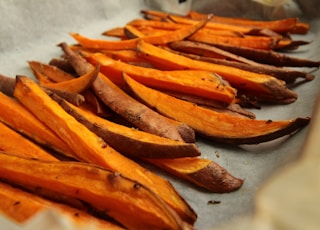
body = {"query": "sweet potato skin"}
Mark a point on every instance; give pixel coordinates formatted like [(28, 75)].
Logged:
[(11, 141), (103, 189)]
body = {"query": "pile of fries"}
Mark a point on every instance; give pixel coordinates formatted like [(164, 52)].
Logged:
[(147, 96)]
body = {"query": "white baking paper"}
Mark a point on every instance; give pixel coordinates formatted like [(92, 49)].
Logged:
[(30, 30)]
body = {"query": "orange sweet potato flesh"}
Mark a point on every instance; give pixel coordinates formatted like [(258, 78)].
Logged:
[(214, 125), (20, 206), (138, 143), (255, 42), (202, 84), (52, 73), (89, 147), (76, 85), (102, 189), (15, 115), (201, 172), (260, 85), (11, 141)]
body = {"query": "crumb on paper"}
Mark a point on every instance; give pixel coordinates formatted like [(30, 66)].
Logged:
[(213, 202)]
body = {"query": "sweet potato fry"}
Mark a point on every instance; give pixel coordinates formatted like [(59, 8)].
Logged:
[(254, 42), (264, 87), (183, 81), (201, 172), (214, 125), (269, 57), (11, 141), (103, 189), (214, 25), (132, 32), (176, 35), (53, 73), (20, 206), (155, 24), (15, 115), (75, 85), (115, 32), (91, 148), (285, 74), (281, 26), (138, 143), (232, 108)]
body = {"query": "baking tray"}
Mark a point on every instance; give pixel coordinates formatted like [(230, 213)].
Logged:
[(31, 29)]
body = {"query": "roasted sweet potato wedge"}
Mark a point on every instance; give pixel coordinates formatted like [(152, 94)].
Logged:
[(270, 57), (285, 74), (76, 85), (105, 190), (21, 206), (261, 85), (11, 141), (89, 147), (201, 172), (214, 125), (138, 143), (15, 115), (203, 84), (52, 73)]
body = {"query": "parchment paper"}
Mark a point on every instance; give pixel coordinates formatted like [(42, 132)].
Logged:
[(31, 29)]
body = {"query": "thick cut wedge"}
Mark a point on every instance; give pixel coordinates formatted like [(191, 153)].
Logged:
[(137, 143), (21, 206), (122, 198), (91, 148), (15, 115), (11, 141), (215, 125)]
